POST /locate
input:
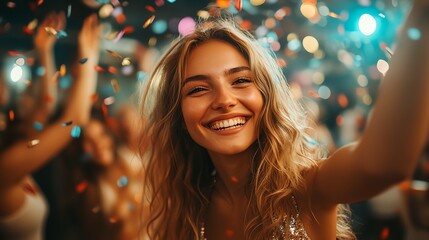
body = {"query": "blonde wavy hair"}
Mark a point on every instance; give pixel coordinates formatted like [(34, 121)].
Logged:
[(178, 171)]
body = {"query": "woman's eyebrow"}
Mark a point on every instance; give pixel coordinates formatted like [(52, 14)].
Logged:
[(226, 73)]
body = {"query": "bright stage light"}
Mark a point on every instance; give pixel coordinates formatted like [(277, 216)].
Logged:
[(367, 24)]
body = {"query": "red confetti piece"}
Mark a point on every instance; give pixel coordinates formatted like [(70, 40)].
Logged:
[(104, 110), (150, 8), (234, 179), (229, 233), (27, 30), (121, 18), (11, 115), (149, 21), (114, 54), (81, 187), (99, 69), (313, 94), (238, 5), (14, 54), (384, 234), (128, 29), (342, 100), (112, 70), (339, 120)]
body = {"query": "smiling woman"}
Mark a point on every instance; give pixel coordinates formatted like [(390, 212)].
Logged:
[(228, 154)]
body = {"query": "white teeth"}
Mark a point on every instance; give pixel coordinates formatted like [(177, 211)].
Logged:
[(228, 123)]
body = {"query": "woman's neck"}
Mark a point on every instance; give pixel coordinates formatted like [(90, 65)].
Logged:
[(232, 175)]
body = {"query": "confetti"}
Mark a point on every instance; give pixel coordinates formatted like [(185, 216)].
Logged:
[(229, 233), (38, 126), (150, 8), (65, 124), (81, 187), (122, 182), (334, 15), (114, 54), (83, 60), (51, 31), (112, 70), (99, 69), (63, 70), (126, 61), (75, 132), (11, 115), (234, 179), (239, 5), (313, 94), (149, 21), (33, 143), (115, 85)]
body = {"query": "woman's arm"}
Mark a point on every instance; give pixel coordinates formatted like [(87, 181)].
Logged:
[(398, 131), (21, 158)]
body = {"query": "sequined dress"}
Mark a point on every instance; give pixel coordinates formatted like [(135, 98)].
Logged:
[(296, 228)]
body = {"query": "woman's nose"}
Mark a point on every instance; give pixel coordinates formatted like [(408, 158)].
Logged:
[(224, 99)]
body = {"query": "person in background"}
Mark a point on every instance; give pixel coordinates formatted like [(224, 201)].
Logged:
[(227, 152), (22, 206)]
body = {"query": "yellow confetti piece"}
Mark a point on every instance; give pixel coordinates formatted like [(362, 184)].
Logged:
[(115, 85), (63, 70), (149, 21), (126, 61), (334, 15), (33, 143), (51, 31)]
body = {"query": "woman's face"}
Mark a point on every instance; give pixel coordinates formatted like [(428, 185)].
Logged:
[(220, 101)]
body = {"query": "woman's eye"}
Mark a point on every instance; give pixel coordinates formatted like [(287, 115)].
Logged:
[(242, 80), (195, 90)]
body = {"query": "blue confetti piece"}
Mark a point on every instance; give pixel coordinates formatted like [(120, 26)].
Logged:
[(75, 132), (38, 126), (61, 34), (414, 34), (83, 60), (122, 182), (40, 71)]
